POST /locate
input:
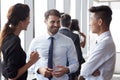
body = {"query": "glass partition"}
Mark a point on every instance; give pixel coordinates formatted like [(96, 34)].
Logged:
[(40, 8)]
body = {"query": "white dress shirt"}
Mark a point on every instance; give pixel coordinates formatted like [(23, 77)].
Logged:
[(102, 57), (64, 50)]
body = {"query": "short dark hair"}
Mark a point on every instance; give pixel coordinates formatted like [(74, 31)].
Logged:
[(65, 20), (103, 12), (52, 12)]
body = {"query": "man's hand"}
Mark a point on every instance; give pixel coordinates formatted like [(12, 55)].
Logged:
[(96, 73), (60, 71), (46, 72), (81, 78)]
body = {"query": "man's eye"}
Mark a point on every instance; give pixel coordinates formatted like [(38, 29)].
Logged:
[(52, 21)]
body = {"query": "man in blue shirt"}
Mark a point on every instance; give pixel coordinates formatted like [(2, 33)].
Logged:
[(63, 51)]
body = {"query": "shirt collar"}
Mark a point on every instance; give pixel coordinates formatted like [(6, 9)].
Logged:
[(55, 36), (62, 27), (102, 36)]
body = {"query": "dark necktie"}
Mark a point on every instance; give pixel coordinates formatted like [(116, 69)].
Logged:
[(50, 55)]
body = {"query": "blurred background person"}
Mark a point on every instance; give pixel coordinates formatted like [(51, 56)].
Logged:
[(75, 28), (65, 29)]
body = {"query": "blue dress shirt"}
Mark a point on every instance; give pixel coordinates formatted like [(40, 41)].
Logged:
[(64, 50)]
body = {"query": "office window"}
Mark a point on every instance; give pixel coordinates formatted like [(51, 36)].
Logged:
[(60, 5), (100, 3), (40, 8), (115, 24), (72, 9)]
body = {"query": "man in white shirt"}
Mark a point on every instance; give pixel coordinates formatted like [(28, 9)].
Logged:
[(101, 61)]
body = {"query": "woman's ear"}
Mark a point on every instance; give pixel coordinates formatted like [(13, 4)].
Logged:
[(20, 23)]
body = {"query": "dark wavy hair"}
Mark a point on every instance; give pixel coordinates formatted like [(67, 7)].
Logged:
[(75, 25)]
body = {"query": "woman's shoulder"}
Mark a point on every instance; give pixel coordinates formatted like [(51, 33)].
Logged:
[(10, 42), (12, 39)]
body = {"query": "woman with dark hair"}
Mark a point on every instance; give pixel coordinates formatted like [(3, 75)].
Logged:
[(14, 66), (75, 29)]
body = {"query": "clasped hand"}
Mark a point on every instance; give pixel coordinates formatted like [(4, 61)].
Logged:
[(58, 72)]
